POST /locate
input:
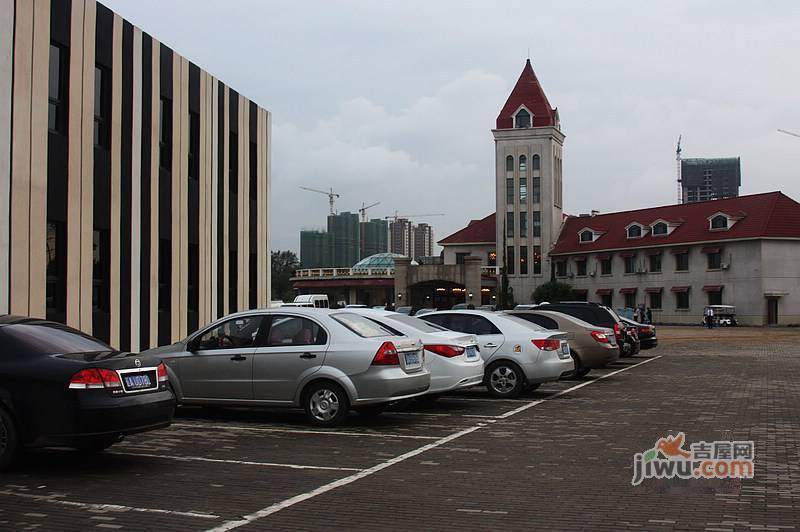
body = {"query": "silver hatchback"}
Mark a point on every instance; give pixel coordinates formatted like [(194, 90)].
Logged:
[(324, 361)]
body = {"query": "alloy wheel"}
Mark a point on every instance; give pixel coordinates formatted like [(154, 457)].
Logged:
[(503, 379), (324, 404)]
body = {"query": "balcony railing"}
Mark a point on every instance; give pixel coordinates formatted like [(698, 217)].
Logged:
[(343, 272), (490, 270)]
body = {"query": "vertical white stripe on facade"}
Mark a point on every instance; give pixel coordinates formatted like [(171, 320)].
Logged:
[(266, 212), (136, 191), (87, 164), (214, 203), (116, 180), (6, 51)]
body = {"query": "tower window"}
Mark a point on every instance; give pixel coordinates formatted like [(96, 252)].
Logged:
[(719, 222), (537, 178), (660, 228), (635, 231), (523, 179), (522, 119), (587, 236)]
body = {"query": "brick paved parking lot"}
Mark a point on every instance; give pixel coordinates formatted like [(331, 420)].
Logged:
[(559, 458)]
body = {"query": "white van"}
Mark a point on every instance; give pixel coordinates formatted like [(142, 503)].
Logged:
[(310, 300)]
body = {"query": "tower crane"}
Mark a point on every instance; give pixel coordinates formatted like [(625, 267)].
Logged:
[(397, 216), (331, 195), (789, 133), (363, 209)]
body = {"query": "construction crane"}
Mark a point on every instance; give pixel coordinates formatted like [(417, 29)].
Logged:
[(331, 196), (789, 133), (678, 159), (396, 216), (363, 209)]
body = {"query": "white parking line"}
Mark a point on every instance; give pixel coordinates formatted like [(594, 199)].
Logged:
[(237, 462), (287, 503), (104, 507), (300, 431)]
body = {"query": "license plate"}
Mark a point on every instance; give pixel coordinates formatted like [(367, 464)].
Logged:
[(138, 382), (565, 348), (471, 352), (412, 359)]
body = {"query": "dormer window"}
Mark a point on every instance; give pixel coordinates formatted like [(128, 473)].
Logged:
[(635, 231), (587, 235), (719, 221), (522, 119), (660, 228)]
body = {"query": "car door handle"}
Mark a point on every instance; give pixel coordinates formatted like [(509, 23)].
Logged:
[(238, 358), (308, 355), (489, 345)]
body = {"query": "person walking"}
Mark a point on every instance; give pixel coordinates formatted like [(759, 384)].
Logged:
[(709, 317), (649, 316)]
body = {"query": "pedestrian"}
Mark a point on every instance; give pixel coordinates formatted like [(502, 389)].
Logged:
[(649, 316), (709, 317)]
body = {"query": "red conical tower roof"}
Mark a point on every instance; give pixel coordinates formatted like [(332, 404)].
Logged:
[(527, 92)]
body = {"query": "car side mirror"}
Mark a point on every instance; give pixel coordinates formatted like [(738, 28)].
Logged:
[(192, 345)]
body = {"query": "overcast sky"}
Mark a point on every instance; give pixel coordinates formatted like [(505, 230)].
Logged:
[(394, 101)]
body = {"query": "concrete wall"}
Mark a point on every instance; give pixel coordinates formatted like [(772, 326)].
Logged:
[(780, 276), (481, 251)]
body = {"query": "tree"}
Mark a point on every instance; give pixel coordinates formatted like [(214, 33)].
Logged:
[(505, 296), (284, 264), (552, 292)]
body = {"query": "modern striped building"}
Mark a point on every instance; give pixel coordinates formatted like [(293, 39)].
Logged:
[(134, 186)]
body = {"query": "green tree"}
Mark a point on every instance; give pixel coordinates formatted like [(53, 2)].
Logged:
[(284, 264), (505, 296), (552, 292)]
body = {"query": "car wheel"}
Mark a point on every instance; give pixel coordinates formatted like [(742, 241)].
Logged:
[(371, 410), (504, 379), (9, 439), (326, 404), (98, 445)]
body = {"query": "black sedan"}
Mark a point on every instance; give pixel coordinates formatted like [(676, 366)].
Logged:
[(646, 333), (61, 387)]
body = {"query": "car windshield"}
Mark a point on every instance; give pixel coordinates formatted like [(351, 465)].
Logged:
[(525, 322), (50, 339), (416, 323), (362, 326)]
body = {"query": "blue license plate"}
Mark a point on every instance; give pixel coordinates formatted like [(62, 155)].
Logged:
[(412, 359), (138, 382), (472, 352)]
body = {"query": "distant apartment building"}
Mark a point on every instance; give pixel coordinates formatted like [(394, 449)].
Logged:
[(134, 186), (422, 241), (338, 247), (410, 240), (374, 237), (710, 179), (315, 249)]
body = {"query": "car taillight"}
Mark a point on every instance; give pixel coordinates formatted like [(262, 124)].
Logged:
[(617, 331), (600, 337), (162, 373), (386, 355), (92, 379), (547, 345), (447, 351), (644, 330)]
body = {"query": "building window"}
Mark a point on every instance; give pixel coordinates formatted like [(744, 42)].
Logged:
[(233, 267), (635, 231), (491, 258), (510, 258), (714, 260), (682, 262), (660, 229), (523, 119), (233, 162), (630, 264), (537, 178), (460, 257), (715, 298), (57, 90), (510, 166), (165, 133), (509, 180), (719, 222), (655, 300), (655, 263), (523, 260), (537, 260), (561, 268), (193, 279), (523, 224), (682, 300), (605, 266), (580, 268), (523, 179), (100, 266), (194, 145), (55, 290), (164, 275), (102, 108), (607, 300), (537, 223), (630, 300), (509, 224), (253, 171), (587, 236)]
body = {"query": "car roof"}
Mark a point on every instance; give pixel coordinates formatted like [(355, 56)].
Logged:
[(559, 315)]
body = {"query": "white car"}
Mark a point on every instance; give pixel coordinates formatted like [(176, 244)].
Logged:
[(517, 354), (452, 358)]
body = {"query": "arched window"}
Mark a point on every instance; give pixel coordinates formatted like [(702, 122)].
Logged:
[(719, 222), (523, 179), (660, 228), (510, 180), (537, 179), (587, 236), (523, 119), (635, 231)]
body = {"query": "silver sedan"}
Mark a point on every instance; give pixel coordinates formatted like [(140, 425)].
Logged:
[(325, 361)]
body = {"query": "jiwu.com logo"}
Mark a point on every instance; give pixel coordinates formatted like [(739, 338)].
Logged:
[(716, 459)]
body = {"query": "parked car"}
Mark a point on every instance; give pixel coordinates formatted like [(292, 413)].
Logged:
[(453, 358), (488, 308), (404, 310), (423, 311), (627, 338), (460, 306), (355, 305), (646, 333), (61, 387), (325, 361), (591, 346), (517, 354)]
